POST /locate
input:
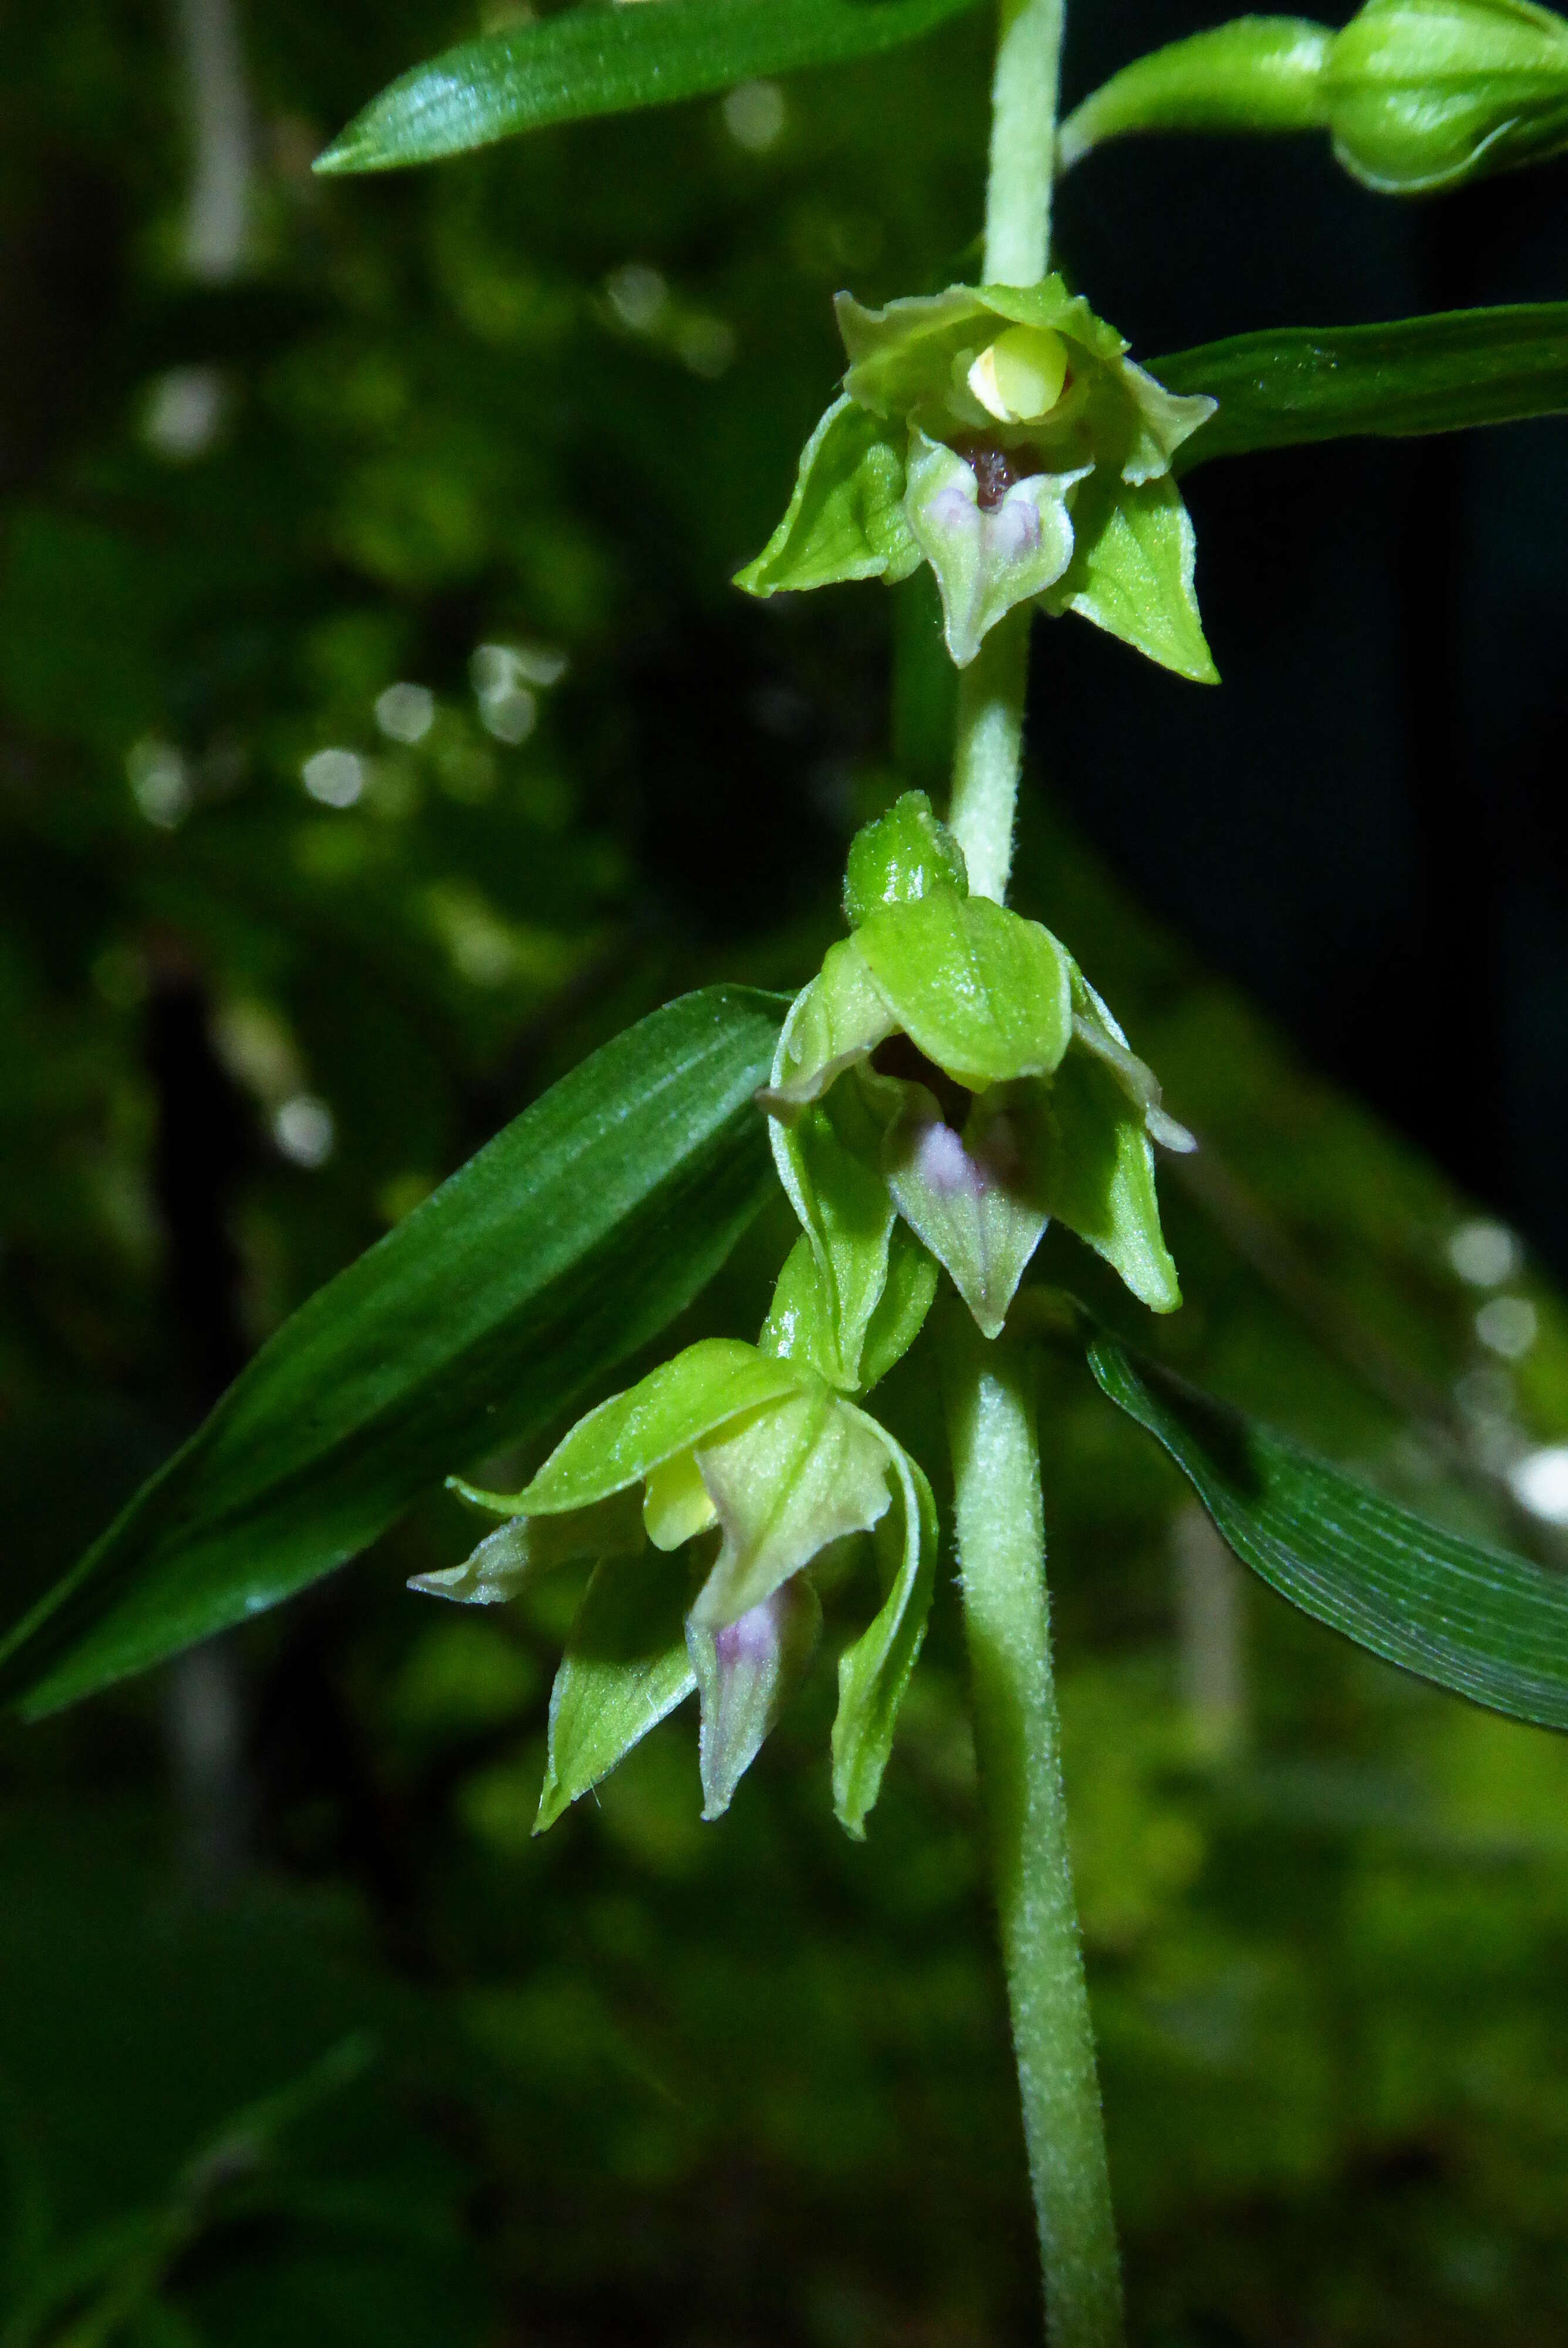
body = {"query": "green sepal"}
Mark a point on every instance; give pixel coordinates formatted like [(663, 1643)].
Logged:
[(1423, 94), (846, 519), (847, 1214), (986, 559), (1131, 573), (786, 1482), (625, 1667), (519, 1552), (799, 1323), (799, 1318), (826, 1152), (974, 1200), (746, 1674), (907, 1296), (673, 1407), (1096, 1173), (983, 992), (1094, 1030), (1258, 75), (874, 1672), (899, 856)]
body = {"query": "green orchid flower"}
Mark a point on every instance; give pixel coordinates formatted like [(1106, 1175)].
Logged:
[(951, 1073), (1002, 435), (702, 1496)]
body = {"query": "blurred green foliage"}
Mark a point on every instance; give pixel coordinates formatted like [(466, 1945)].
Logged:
[(313, 2042)]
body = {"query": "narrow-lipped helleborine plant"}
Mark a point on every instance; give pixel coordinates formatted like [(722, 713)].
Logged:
[(946, 1085)]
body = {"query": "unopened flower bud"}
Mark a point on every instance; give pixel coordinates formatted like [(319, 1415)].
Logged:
[(1424, 94)]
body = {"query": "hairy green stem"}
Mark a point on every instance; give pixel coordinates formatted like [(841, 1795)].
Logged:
[(989, 754), (990, 1420), (1018, 1737), (1023, 138)]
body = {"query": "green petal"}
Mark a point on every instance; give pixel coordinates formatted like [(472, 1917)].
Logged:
[(846, 519), (903, 355), (673, 1407), (874, 1673), (982, 992), (1131, 573), (787, 1482), (746, 1674), (625, 1666), (1161, 420)]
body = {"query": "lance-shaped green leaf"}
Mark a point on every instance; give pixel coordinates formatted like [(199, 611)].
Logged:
[(786, 1482), (746, 1674), (625, 1668), (594, 60), (568, 1242), (846, 519), (980, 991), (1132, 571), (1423, 94), (874, 1673), (1486, 1624), (519, 1552), (975, 1199), (1258, 75), (1436, 374)]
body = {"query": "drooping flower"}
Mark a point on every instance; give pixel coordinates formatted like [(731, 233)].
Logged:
[(951, 1070), (702, 1496), (1001, 434)]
